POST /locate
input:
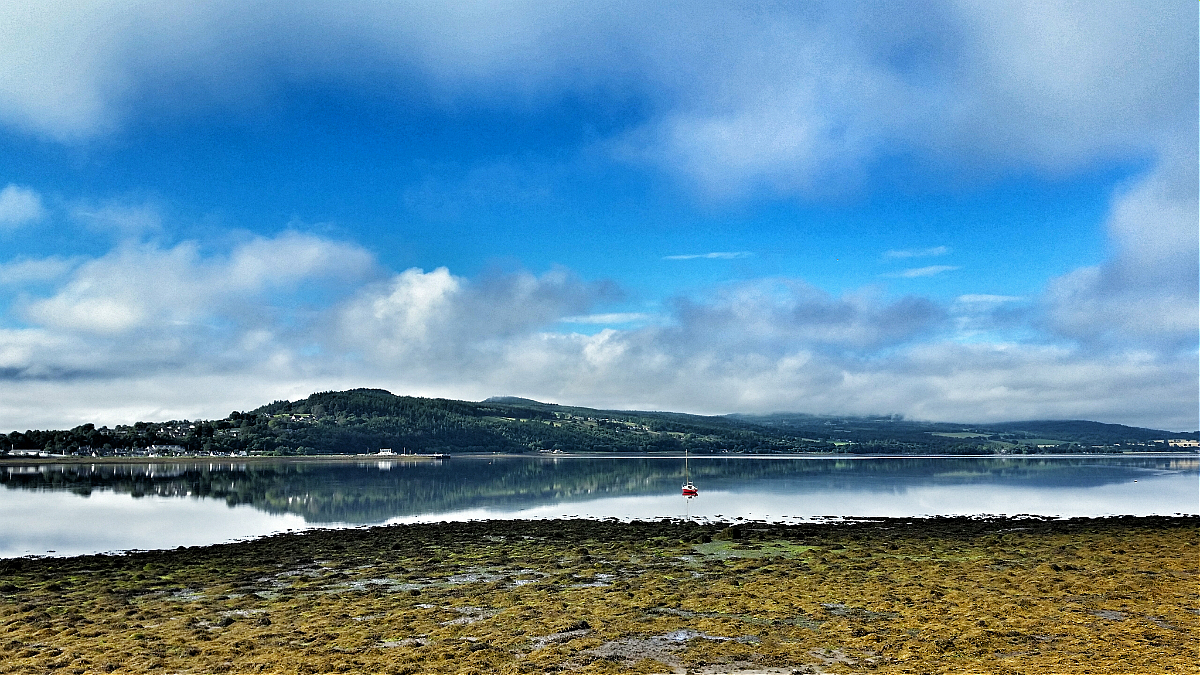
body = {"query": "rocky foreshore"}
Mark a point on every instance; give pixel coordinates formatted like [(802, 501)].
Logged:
[(1020, 595)]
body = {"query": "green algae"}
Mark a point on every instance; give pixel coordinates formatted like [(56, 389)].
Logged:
[(908, 595)]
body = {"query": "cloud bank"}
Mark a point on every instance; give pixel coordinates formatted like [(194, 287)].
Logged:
[(174, 331)]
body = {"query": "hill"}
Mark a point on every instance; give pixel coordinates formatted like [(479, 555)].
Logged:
[(368, 420)]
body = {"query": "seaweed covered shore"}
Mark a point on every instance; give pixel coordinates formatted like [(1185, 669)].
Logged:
[(1024, 595)]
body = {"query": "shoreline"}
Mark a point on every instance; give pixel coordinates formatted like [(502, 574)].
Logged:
[(191, 459), (68, 459), (1024, 594)]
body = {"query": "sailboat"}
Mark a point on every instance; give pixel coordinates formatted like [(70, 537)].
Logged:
[(689, 490)]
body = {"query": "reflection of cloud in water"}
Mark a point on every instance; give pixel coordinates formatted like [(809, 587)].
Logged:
[(1161, 495), (33, 523), (373, 492)]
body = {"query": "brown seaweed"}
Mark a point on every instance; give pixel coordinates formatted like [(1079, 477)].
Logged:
[(1023, 595)]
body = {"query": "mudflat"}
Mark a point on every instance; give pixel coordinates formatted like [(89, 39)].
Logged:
[(1019, 595)]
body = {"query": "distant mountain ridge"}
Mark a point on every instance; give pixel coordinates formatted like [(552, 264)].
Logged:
[(360, 421), (514, 400)]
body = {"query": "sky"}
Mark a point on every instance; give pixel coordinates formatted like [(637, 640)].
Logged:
[(954, 211)]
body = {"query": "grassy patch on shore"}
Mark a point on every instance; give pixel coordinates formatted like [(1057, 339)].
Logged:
[(1026, 595)]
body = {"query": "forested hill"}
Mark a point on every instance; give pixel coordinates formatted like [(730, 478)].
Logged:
[(368, 420), (371, 419)]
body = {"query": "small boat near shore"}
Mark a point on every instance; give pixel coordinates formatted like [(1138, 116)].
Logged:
[(689, 490)]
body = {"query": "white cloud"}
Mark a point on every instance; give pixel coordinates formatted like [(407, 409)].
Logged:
[(716, 255), (916, 272), (918, 253), (706, 364), (124, 220), (76, 69), (148, 289), (1147, 292), (975, 298), (125, 398), (19, 206), (801, 103), (33, 270), (410, 306), (925, 380), (439, 323), (618, 317), (775, 316), (145, 332), (1063, 83)]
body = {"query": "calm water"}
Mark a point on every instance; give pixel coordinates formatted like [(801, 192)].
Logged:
[(73, 509)]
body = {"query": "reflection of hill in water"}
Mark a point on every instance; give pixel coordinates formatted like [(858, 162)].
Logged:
[(372, 491)]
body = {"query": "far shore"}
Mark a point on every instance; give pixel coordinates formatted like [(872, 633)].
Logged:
[(191, 459), (423, 457)]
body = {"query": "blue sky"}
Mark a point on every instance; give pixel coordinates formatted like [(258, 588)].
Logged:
[(952, 211)]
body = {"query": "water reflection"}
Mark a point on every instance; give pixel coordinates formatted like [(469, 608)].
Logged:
[(60, 523), (74, 508)]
